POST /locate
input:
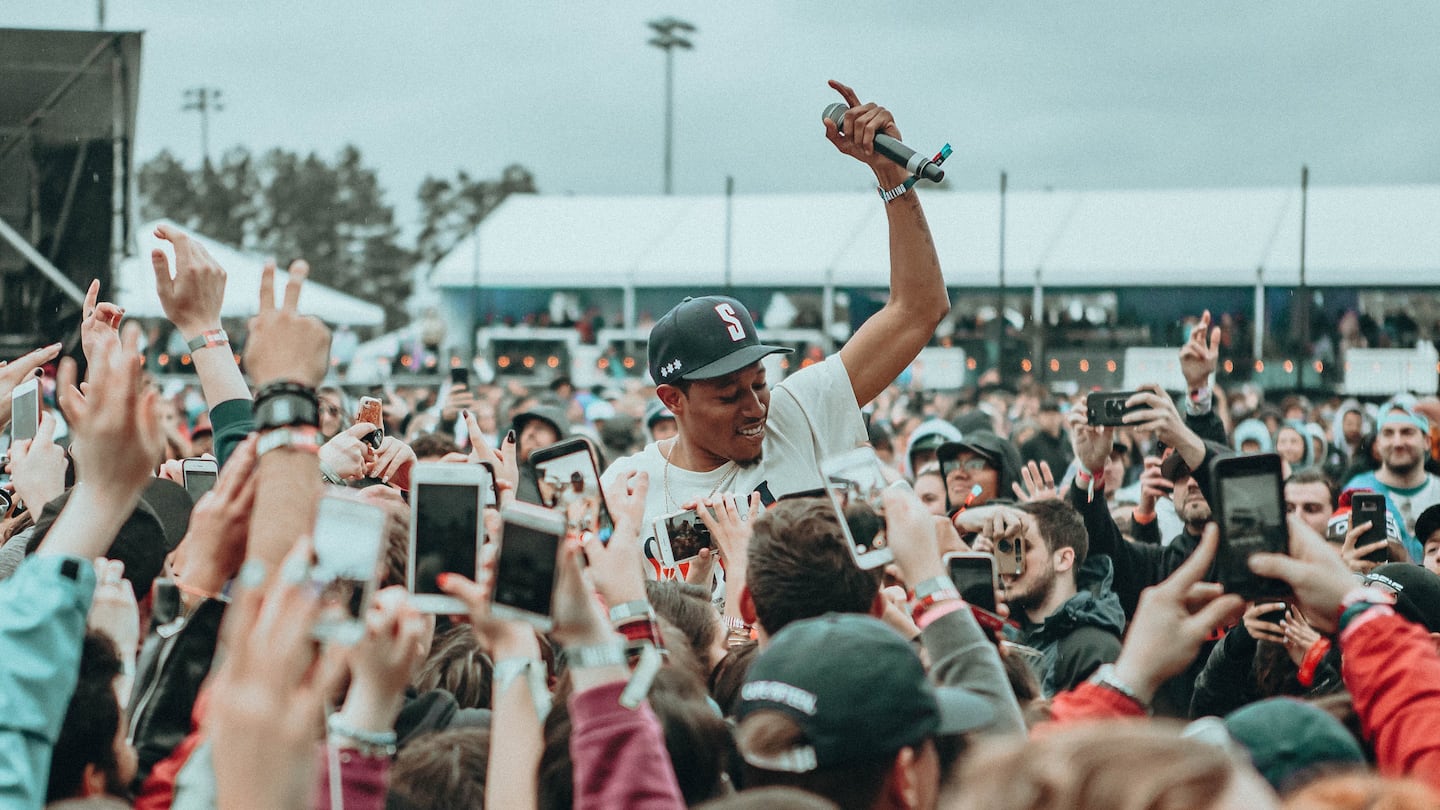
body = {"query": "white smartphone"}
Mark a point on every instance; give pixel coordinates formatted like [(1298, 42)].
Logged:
[(447, 528), (526, 564), (25, 410), (855, 481), (198, 475), (349, 537), (680, 536)]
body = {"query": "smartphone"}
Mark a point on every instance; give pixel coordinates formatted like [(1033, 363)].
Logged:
[(855, 480), (447, 529), (526, 564), (198, 475), (349, 538), (975, 576), (370, 411), (681, 535), (460, 375), (567, 477), (1107, 408), (1370, 506), (1274, 617), (25, 410), (1250, 505)]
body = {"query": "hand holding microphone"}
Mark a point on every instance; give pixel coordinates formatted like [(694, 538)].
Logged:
[(867, 132)]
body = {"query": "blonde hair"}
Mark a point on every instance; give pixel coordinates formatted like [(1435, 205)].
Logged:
[(1117, 766)]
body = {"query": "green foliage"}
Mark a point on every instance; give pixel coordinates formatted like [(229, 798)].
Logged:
[(450, 209), (333, 215)]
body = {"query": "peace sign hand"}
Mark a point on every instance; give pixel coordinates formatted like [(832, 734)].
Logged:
[(283, 344)]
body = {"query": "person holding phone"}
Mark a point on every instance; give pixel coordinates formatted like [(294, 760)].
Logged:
[(1402, 442), (737, 435)]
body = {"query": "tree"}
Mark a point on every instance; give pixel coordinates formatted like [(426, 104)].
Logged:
[(332, 215), (450, 210)]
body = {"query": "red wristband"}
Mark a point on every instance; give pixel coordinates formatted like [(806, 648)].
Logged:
[(1311, 661)]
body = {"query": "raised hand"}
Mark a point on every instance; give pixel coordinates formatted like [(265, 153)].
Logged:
[(347, 454), (1201, 353), (1315, 572), (213, 548), (37, 466), (113, 611), (730, 524), (383, 661), (502, 461), (1261, 629), (910, 531), (193, 297), (21, 369), (617, 568), (1299, 636), (1157, 412), (393, 462), (1039, 483), (267, 704), (1153, 486), (1092, 444), (283, 344), (1355, 557), (115, 425), (99, 322), (1173, 619), (856, 137)]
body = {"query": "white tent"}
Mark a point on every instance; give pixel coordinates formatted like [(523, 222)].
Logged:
[(136, 284), (1372, 235)]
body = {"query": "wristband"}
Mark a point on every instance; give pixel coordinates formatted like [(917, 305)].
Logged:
[(196, 592), (608, 654), (1106, 678), (286, 404), (1366, 595), (1091, 481), (736, 624), (931, 601), (887, 196), (208, 339), (1311, 662), (644, 629), (294, 438), (932, 586), (641, 679), (329, 476), (533, 670), (370, 743), (634, 609)]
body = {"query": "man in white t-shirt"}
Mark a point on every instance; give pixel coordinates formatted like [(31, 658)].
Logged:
[(738, 436)]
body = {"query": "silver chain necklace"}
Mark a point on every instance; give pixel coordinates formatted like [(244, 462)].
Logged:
[(723, 482)]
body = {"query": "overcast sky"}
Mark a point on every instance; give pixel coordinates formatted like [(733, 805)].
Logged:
[(1060, 94)]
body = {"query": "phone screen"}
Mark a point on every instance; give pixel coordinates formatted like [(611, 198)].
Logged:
[(199, 482), (25, 413), (447, 532), (974, 577), (570, 485), (688, 534), (348, 537), (1252, 520), (525, 569), (856, 483)]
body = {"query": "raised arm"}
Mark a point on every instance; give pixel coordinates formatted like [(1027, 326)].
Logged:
[(886, 343)]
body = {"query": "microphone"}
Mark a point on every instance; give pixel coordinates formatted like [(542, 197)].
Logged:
[(914, 162)]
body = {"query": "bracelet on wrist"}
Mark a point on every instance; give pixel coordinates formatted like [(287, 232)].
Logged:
[(208, 339), (931, 586), (1106, 677), (591, 656), (369, 743), (304, 439), (634, 609), (286, 404), (926, 603), (889, 194)]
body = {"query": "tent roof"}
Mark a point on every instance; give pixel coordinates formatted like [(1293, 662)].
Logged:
[(1165, 237), (136, 284)]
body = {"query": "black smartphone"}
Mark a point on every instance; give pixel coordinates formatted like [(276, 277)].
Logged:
[(567, 477), (974, 576), (1370, 506), (1274, 616), (446, 530), (1107, 408), (527, 563), (460, 375), (1250, 506)]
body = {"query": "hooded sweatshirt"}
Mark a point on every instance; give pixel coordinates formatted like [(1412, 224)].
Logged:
[(930, 427), (1082, 634), (1253, 430)]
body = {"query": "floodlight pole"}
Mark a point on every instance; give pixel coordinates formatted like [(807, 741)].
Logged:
[(670, 34), (202, 100)]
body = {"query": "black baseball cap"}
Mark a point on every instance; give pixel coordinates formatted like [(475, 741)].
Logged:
[(1416, 589), (856, 689), (704, 338)]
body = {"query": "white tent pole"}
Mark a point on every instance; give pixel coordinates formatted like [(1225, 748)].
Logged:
[(1258, 339)]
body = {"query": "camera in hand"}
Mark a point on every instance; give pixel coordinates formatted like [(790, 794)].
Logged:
[(1108, 408)]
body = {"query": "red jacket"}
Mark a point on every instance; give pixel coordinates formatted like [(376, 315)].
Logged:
[(619, 755), (1392, 670)]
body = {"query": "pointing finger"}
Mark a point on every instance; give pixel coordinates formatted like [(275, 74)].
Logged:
[(91, 296), (298, 271), (267, 287), (845, 92)]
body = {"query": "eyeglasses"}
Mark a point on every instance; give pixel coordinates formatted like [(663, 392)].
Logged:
[(971, 465), (329, 408)]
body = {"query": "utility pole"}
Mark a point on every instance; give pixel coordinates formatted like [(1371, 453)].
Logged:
[(1000, 303), (670, 34), (202, 100), (99, 15)]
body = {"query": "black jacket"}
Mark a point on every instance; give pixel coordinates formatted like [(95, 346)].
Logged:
[(1083, 634), (1229, 679)]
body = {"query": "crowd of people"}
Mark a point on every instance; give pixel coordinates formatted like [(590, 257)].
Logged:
[(159, 652)]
